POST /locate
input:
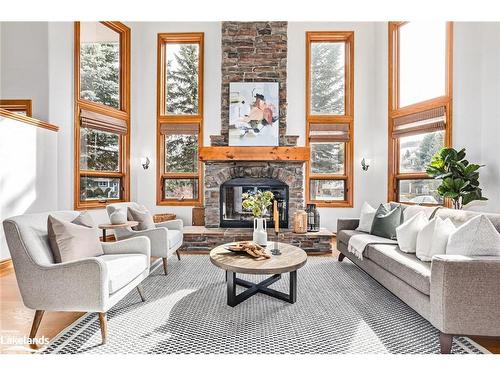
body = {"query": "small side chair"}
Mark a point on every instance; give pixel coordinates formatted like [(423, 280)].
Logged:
[(166, 238)]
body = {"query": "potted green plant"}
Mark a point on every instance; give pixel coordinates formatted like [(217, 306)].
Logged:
[(460, 178), (258, 203)]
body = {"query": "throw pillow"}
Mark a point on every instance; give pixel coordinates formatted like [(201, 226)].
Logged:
[(413, 210), (477, 237), (407, 232), (424, 239), (366, 218), (144, 218), (72, 240), (440, 235), (386, 221)]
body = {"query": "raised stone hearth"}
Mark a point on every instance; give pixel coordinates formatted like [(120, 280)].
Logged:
[(216, 173), (201, 239)]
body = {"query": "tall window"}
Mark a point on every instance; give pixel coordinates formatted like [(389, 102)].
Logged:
[(179, 118), (420, 98), (330, 117), (102, 113)]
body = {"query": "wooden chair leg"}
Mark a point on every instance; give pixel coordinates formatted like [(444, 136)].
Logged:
[(178, 254), (103, 322), (341, 257), (445, 342), (140, 290), (36, 323), (165, 265)]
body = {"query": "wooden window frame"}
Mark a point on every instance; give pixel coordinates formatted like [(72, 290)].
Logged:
[(122, 113), (15, 105), (348, 118), (395, 111), (177, 119)]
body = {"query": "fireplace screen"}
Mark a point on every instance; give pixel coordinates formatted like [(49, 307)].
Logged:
[(232, 213)]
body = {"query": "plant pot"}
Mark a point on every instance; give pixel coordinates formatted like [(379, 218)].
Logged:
[(260, 231)]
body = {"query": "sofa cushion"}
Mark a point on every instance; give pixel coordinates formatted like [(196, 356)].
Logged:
[(477, 237), (405, 266), (174, 237), (344, 235), (123, 268), (143, 216), (386, 221), (73, 240)]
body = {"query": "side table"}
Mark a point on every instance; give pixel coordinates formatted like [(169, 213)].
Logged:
[(104, 227)]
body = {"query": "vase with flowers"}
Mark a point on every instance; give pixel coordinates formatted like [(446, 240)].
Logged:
[(258, 202)]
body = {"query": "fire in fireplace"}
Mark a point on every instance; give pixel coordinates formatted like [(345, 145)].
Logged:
[(233, 215)]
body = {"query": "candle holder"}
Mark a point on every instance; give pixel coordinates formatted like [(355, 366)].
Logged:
[(276, 248)]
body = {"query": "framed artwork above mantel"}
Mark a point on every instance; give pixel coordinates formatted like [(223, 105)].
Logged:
[(253, 114)]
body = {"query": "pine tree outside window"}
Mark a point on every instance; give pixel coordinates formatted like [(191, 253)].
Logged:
[(330, 118), (420, 97), (180, 118)]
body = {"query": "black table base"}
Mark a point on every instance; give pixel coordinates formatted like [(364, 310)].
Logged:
[(234, 299)]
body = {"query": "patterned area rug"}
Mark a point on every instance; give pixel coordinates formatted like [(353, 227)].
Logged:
[(339, 309)]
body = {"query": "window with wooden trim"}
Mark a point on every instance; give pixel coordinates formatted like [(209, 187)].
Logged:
[(330, 117), (179, 118), (102, 114), (420, 103), (19, 106)]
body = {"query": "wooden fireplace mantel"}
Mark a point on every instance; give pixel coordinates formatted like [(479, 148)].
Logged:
[(254, 153)]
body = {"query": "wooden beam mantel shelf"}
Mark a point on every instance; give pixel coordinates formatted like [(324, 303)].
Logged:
[(254, 153)]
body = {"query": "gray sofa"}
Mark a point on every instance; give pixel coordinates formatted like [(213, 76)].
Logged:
[(458, 295)]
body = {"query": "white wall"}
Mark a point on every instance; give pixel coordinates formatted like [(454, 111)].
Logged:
[(24, 70), (476, 103), (26, 183)]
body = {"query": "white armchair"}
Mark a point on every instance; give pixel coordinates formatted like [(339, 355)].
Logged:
[(166, 238), (91, 284)]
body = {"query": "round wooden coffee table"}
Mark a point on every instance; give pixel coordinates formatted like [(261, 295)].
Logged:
[(290, 259)]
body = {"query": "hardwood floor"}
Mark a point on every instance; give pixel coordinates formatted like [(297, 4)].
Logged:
[(15, 319)]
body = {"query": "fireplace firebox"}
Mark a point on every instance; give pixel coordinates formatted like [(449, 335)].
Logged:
[(233, 215)]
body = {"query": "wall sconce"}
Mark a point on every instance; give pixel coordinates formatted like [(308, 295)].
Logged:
[(365, 164), (145, 162)]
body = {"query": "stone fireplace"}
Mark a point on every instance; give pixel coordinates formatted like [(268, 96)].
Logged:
[(252, 52), (231, 210), (290, 174)]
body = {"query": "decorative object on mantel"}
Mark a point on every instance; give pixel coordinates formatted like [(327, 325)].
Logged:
[(312, 218), (198, 216), (460, 178), (253, 114), (300, 222), (365, 164), (252, 249), (159, 218), (258, 203)]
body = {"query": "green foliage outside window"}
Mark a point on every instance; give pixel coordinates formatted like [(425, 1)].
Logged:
[(100, 73)]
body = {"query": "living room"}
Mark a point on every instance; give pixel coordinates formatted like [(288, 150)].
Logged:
[(262, 186)]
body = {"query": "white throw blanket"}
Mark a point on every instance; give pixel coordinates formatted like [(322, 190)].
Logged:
[(358, 243)]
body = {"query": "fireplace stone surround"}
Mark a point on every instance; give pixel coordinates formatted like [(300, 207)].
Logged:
[(216, 173)]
